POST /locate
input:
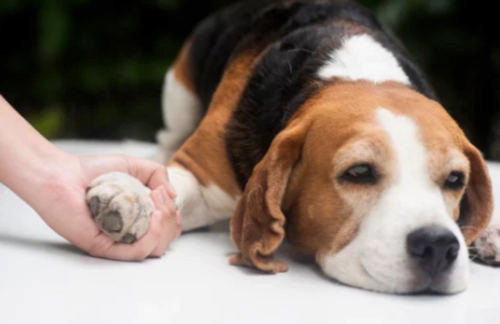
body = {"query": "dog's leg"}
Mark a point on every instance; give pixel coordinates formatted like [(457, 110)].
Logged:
[(121, 205), (201, 205), (201, 171), (486, 249), (182, 110)]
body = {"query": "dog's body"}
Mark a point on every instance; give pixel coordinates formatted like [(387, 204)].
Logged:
[(310, 109)]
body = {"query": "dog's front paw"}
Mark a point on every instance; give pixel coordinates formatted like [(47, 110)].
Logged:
[(486, 249), (121, 206)]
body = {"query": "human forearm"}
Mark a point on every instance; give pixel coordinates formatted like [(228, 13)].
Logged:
[(27, 159)]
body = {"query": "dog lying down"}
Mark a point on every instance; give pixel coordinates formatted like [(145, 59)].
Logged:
[(307, 120)]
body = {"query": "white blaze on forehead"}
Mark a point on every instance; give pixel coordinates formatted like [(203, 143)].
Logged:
[(405, 141), (418, 198), (362, 58)]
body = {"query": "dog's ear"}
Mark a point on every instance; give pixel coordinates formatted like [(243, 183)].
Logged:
[(476, 207), (257, 227)]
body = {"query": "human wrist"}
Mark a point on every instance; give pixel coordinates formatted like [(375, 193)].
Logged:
[(27, 159), (31, 172)]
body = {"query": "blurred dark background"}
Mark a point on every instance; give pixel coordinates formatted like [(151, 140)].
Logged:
[(93, 69)]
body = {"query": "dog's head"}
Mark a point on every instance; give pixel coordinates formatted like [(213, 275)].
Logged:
[(378, 183)]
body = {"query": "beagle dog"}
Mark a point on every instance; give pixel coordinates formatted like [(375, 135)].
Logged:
[(307, 120)]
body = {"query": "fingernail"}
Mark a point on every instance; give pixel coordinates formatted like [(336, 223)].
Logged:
[(154, 197), (159, 195), (164, 194), (172, 192)]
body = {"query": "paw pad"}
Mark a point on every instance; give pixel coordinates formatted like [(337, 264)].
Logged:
[(121, 206), (112, 222)]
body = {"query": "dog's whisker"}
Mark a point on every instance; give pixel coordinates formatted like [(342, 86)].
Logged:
[(301, 50), (474, 257), (468, 227)]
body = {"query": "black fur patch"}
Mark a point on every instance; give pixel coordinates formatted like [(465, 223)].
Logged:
[(280, 85), (297, 36), (216, 39)]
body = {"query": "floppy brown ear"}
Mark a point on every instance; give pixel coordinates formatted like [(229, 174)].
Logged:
[(476, 208), (257, 227)]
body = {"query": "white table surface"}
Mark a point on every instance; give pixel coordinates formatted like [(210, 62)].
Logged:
[(43, 279)]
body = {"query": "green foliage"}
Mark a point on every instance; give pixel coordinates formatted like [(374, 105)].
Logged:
[(53, 30), (49, 121), (168, 4), (393, 13)]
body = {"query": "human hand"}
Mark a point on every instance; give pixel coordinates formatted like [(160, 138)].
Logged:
[(62, 205), (54, 183)]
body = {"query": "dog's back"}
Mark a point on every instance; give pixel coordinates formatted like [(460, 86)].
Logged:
[(291, 40), (301, 33)]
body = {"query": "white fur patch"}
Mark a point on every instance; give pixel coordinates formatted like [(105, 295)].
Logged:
[(200, 206), (182, 113), (377, 258), (362, 58)]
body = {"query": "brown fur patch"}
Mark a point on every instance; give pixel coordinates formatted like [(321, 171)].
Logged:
[(204, 153), (131, 199)]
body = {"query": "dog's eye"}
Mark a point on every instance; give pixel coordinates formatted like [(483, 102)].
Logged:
[(455, 181), (361, 174)]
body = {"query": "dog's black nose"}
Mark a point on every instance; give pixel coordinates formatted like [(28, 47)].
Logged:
[(434, 248)]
